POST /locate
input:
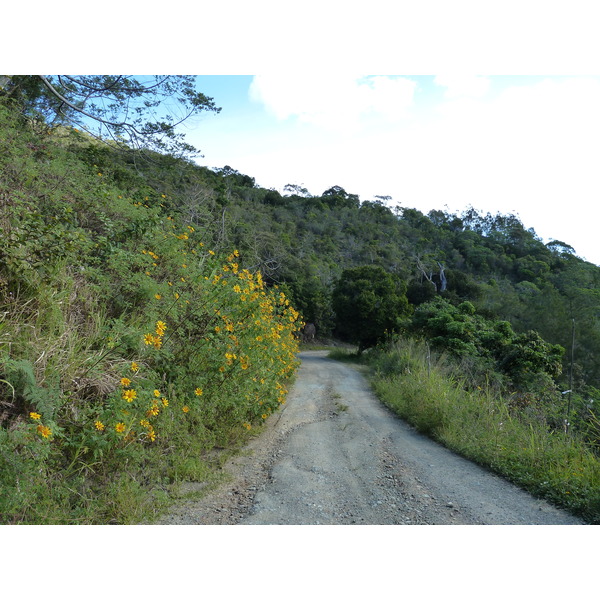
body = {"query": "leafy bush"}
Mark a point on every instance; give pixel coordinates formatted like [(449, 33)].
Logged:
[(464, 332)]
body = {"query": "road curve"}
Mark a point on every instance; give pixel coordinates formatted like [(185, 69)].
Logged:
[(336, 455)]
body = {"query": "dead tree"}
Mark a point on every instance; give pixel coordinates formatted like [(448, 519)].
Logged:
[(428, 274)]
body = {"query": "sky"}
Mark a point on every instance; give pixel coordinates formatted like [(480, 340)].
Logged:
[(525, 145)]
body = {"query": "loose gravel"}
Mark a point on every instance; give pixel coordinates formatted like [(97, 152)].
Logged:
[(335, 455)]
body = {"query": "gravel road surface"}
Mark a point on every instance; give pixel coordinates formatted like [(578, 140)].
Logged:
[(336, 455)]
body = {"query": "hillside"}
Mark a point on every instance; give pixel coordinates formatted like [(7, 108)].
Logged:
[(135, 350), (149, 306)]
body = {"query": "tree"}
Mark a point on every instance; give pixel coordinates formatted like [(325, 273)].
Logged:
[(529, 354), (296, 190), (448, 327), (136, 113), (337, 196), (367, 302)]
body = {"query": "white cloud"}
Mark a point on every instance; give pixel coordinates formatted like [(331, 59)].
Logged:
[(458, 86), (334, 101), (532, 149)]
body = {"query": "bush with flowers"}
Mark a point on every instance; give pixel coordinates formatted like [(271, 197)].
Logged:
[(135, 352)]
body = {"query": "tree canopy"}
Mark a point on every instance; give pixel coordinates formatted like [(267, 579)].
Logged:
[(135, 112), (368, 302)]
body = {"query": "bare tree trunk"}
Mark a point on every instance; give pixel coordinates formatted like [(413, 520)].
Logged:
[(428, 276), (443, 280)]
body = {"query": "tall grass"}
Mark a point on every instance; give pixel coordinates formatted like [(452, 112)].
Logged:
[(479, 422)]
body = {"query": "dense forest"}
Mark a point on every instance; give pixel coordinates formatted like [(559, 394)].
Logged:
[(96, 235)]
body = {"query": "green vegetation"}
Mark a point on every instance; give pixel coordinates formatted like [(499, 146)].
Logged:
[(133, 355), (514, 435), (368, 302), (146, 320)]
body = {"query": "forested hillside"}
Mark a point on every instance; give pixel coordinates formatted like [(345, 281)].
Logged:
[(304, 243), (146, 310), (492, 261)]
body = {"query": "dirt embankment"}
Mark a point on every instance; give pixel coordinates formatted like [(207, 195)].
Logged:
[(335, 455)]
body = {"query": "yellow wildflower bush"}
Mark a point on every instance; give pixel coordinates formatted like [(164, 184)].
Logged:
[(154, 345)]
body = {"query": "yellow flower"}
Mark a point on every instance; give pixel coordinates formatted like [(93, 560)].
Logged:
[(120, 427), (129, 395), (151, 435), (145, 423), (99, 425), (165, 402), (247, 426), (161, 327), (264, 416), (126, 382), (148, 339), (44, 431), (35, 416), (198, 391), (157, 296), (135, 367), (157, 393), (186, 409), (157, 342)]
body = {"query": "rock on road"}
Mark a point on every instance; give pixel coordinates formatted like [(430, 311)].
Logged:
[(335, 455)]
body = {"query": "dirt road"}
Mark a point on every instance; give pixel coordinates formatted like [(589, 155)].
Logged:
[(335, 455)]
